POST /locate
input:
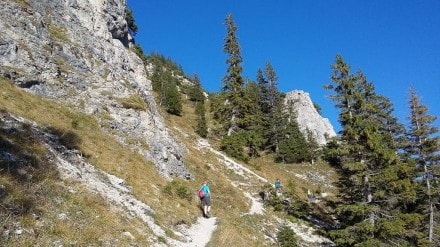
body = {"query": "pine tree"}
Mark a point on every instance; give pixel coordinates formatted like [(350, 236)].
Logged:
[(313, 147), (377, 191), (233, 81), (196, 94), (293, 144), (132, 27), (424, 148), (272, 106), (169, 95), (254, 120), (201, 127)]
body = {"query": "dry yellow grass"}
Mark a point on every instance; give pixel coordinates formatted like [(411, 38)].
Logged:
[(235, 228)]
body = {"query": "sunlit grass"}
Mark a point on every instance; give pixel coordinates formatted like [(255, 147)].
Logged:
[(89, 215)]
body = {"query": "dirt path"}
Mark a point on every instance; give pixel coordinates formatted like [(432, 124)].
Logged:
[(306, 233), (200, 233)]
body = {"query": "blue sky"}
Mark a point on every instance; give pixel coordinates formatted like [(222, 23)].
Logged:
[(396, 43)]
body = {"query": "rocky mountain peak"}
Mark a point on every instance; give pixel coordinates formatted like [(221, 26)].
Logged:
[(308, 117)]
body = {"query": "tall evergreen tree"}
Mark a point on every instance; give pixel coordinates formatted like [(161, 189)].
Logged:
[(423, 146), (233, 81), (254, 120), (170, 96), (313, 148), (376, 187), (292, 145), (272, 106), (196, 94)]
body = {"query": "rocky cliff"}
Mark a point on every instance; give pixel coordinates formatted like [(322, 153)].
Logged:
[(77, 52), (308, 117)]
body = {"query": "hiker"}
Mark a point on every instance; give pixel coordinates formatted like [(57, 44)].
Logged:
[(310, 196), (206, 199), (278, 186), (264, 193)]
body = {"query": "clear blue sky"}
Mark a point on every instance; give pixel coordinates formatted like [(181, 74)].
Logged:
[(396, 43)]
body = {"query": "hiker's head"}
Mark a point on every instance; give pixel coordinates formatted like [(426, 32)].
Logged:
[(205, 182)]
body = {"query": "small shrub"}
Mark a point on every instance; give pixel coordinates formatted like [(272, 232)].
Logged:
[(176, 188), (286, 237), (134, 102)]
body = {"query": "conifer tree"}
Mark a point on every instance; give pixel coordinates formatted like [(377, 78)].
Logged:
[(313, 147), (201, 127), (423, 146), (196, 94), (233, 111), (170, 96), (293, 145), (132, 27), (254, 126), (272, 106), (377, 191)]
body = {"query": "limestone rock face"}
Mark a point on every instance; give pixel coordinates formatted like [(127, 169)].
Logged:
[(77, 52), (308, 117)]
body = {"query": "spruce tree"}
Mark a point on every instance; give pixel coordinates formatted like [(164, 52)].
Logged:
[(132, 27), (196, 94), (292, 145), (313, 147), (233, 80), (376, 187), (254, 126), (169, 95), (272, 106), (424, 148), (201, 127)]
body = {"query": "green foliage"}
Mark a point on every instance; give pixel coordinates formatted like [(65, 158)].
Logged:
[(233, 146), (318, 108), (271, 103), (286, 237), (166, 85), (170, 99), (132, 27), (176, 187), (293, 146), (140, 52), (423, 148), (201, 128), (289, 203), (313, 148), (376, 187), (196, 94), (159, 61), (234, 110)]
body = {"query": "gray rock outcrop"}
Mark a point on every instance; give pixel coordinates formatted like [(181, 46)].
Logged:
[(308, 117), (77, 52)]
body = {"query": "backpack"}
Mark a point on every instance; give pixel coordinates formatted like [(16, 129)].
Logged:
[(201, 193)]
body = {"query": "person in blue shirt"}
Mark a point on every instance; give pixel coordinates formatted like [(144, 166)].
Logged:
[(277, 185), (206, 200)]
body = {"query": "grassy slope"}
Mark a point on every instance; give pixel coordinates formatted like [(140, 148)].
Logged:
[(89, 215)]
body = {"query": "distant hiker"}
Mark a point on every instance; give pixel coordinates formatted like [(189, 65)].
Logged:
[(205, 197), (310, 196), (264, 193), (278, 186)]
